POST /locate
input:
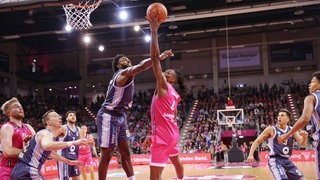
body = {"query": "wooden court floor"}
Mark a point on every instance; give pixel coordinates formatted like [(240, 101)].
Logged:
[(206, 171), (211, 172)]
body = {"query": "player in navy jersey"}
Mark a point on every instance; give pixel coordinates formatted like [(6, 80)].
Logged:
[(111, 119), (42, 146), (279, 163), (310, 112), (70, 132)]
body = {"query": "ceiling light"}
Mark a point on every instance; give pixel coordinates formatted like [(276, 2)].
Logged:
[(147, 38), (62, 39), (123, 15), (101, 48), (136, 28), (178, 8), (29, 21), (173, 26), (68, 28), (11, 37), (86, 39), (299, 12)]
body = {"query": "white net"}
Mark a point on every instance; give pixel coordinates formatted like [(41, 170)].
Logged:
[(230, 123), (78, 16)]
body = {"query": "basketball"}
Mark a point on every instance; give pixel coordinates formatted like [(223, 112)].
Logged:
[(157, 10)]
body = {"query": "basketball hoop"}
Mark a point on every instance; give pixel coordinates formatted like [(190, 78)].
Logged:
[(230, 123), (78, 16)]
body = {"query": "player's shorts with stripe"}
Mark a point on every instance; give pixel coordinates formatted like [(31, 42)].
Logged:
[(65, 171), (25, 172), (283, 168), (111, 129)]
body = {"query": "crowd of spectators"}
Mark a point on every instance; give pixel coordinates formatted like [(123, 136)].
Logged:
[(260, 104), (35, 106)]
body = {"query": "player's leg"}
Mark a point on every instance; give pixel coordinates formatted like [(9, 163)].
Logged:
[(106, 155), (124, 147), (107, 138), (75, 178), (63, 170), (158, 158), (89, 163), (155, 172), (83, 173), (178, 166), (317, 160), (175, 159), (82, 158), (91, 169), (277, 169), (293, 172), (124, 150)]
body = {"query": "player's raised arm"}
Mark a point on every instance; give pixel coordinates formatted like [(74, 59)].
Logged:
[(154, 54)]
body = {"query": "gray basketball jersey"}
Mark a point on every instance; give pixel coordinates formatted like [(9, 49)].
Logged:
[(283, 150), (118, 99), (72, 151)]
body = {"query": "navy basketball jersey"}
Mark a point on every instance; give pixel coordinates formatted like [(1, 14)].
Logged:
[(315, 119), (118, 99), (72, 151), (33, 154), (276, 149)]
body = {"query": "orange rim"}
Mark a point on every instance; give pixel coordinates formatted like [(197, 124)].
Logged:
[(86, 6)]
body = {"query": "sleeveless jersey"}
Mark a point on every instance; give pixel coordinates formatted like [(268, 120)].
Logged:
[(34, 155), (72, 151), (163, 110), (118, 99), (315, 118), (19, 133), (84, 150), (281, 150)]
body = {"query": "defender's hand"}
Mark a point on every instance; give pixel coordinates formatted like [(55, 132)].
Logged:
[(166, 54)]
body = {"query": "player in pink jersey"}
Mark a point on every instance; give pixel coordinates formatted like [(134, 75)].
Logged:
[(85, 154), (14, 136), (165, 132)]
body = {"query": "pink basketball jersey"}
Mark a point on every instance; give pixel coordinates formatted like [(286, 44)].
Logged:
[(84, 150), (19, 133), (163, 117)]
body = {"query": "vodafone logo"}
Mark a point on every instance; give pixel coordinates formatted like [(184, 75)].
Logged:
[(306, 155)]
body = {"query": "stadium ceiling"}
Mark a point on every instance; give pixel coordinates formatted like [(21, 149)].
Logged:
[(40, 24)]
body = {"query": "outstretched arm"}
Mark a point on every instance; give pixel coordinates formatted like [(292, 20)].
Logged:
[(128, 73), (308, 108), (154, 55), (58, 157), (268, 132), (45, 139)]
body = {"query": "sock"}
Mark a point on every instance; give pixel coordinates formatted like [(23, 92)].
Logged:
[(132, 178)]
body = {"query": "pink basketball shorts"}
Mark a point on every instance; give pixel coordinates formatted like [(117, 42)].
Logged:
[(160, 153), (86, 159)]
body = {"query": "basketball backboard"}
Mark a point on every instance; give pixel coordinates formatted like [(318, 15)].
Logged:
[(224, 116), (16, 5)]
